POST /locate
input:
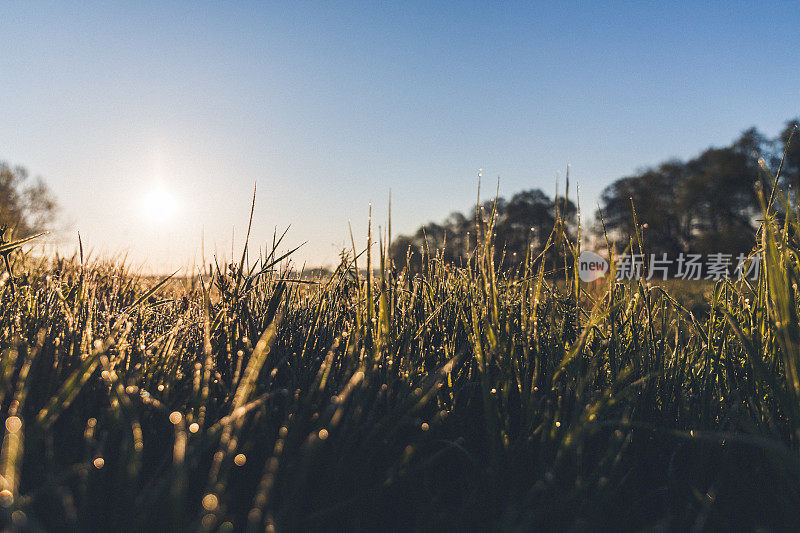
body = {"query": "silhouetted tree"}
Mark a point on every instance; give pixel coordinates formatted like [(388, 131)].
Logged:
[(790, 173), (705, 205), (660, 201), (721, 195), (25, 208)]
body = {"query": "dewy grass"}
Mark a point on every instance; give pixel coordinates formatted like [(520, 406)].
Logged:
[(456, 397)]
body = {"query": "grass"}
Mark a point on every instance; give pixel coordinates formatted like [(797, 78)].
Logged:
[(454, 398)]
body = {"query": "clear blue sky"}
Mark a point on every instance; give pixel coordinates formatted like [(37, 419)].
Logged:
[(328, 106)]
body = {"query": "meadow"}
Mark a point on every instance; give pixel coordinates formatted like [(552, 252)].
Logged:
[(455, 397)]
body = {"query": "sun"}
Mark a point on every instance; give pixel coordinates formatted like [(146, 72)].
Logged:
[(159, 205)]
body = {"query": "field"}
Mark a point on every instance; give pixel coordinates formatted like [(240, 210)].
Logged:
[(456, 397)]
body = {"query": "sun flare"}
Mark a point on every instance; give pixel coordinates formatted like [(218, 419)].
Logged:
[(159, 205)]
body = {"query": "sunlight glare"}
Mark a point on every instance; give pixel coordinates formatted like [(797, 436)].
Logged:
[(159, 205)]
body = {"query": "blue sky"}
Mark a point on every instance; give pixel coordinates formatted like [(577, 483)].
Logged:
[(329, 106)]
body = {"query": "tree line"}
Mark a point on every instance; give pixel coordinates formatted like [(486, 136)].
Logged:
[(520, 225), (707, 204)]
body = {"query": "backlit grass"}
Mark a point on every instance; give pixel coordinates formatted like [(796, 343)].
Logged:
[(457, 397)]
